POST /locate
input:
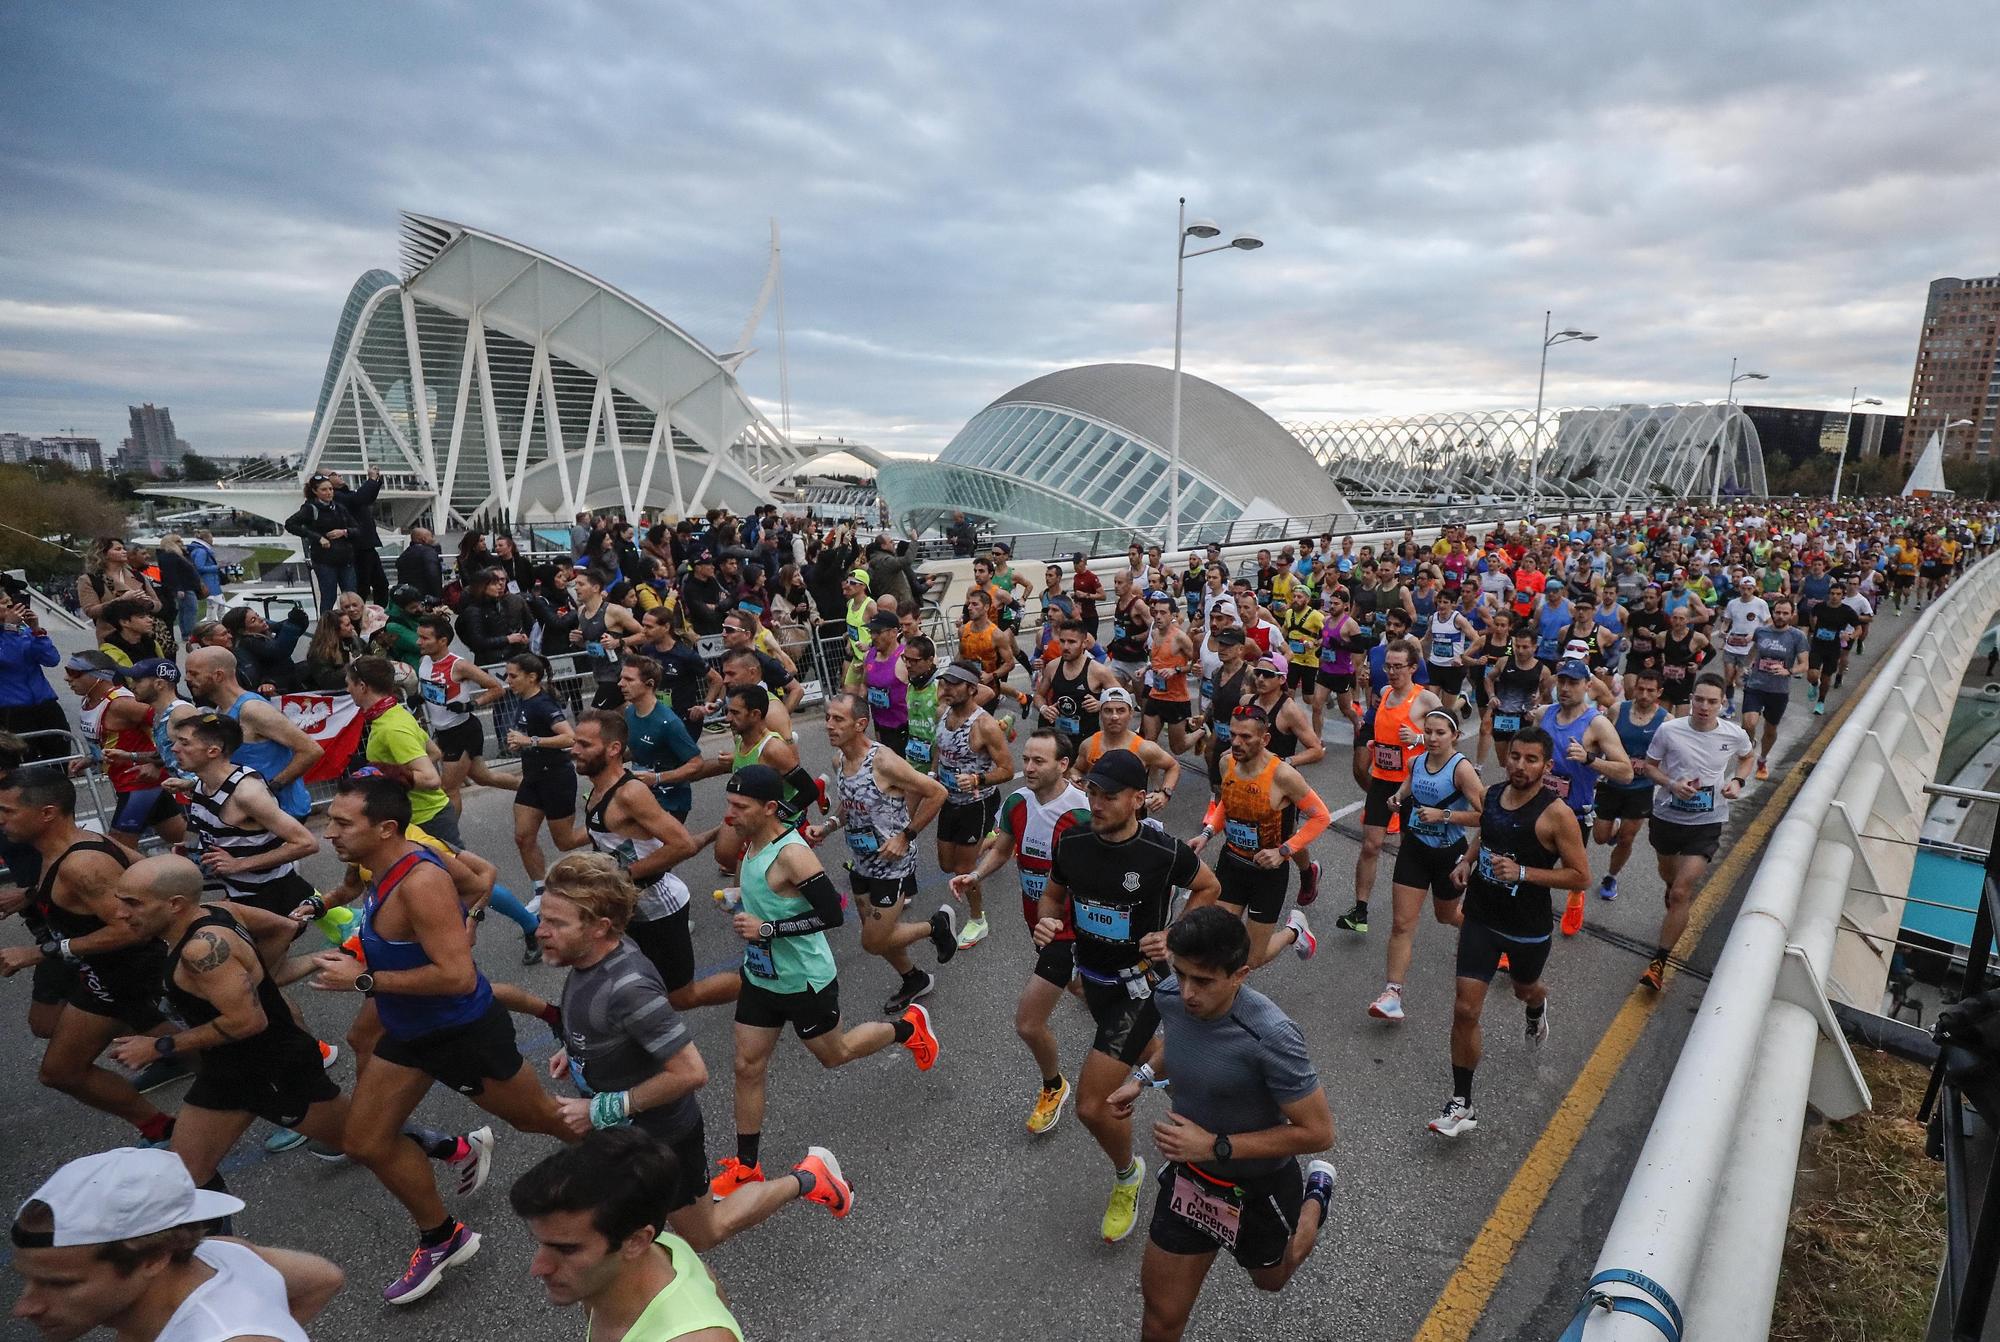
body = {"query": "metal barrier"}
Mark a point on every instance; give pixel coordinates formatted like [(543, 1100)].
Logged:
[(1702, 1220), (1029, 545)]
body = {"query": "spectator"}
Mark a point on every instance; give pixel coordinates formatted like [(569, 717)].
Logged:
[(326, 531), (372, 581), (579, 533), (963, 537), (107, 575), (421, 565), (494, 622), (201, 553), (264, 654), (397, 637), (181, 586), (473, 559), (134, 635), (892, 572), (27, 702), (552, 605), (509, 559), (703, 598), (335, 643)]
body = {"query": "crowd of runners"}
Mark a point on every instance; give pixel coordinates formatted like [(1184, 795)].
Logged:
[(1523, 703)]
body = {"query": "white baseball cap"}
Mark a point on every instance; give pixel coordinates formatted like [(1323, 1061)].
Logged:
[(120, 1195)]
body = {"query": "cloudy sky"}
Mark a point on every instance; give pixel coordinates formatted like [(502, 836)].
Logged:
[(971, 196)]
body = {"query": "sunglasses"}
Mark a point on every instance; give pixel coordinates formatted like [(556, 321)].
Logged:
[(1265, 671)]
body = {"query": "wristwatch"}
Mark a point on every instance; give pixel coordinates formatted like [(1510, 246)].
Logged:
[(909, 835), (164, 1045), (364, 983), (1223, 1148), (767, 930)]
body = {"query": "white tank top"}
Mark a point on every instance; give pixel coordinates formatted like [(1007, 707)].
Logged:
[(445, 698), (1447, 640), (245, 1298)]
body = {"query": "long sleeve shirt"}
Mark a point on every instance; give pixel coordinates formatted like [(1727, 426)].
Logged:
[(24, 657)]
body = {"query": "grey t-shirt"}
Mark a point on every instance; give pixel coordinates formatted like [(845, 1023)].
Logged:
[(1231, 1074), (1773, 653), (620, 1028), (1709, 758)]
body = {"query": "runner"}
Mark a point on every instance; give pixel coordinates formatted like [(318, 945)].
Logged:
[(882, 676), (1777, 657), (631, 1055), (1169, 654), (1259, 793), (1622, 808), (984, 642), (1527, 846), (658, 741), (1648, 637), (439, 1020), (1115, 709), (247, 848), (598, 1214), (883, 805), (392, 740), (108, 974), (117, 1241), (1031, 822), (117, 727), (1303, 628), (1449, 636), (1863, 604), (972, 762), (1682, 652), (602, 628), (789, 977), (451, 707), (1070, 686), (1341, 637), (1113, 885), (1294, 741), (1699, 764), (1586, 751), (752, 741), (1246, 1104), (1904, 557), (1827, 632), (1441, 796), (1230, 686), (1745, 614), (1394, 740), (275, 746)]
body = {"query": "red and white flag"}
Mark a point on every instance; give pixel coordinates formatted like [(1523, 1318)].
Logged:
[(330, 719)]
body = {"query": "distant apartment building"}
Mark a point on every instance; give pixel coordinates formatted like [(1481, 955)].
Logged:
[(153, 449), (1958, 369), (73, 450), (1794, 434)]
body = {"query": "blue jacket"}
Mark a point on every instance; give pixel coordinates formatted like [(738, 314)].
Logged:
[(206, 564), (23, 656)]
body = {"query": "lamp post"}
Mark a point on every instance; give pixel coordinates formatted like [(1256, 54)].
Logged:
[(1855, 398), (1201, 230), (1944, 439), (1535, 434), (1728, 424)]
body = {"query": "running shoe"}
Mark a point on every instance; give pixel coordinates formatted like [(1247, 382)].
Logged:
[(923, 1044), (1309, 885), (534, 906), (1122, 1213), (974, 933), (1812, 694), (1763, 769), (157, 1073), (1729, 709), (829, 1190), (1655, 976), (282, 1140), (1007, 726), (1538, 1026), (1304, 943), (913, 988), (1455, 1119), (1819, 709), (329, 1054), (731, 1175), (1505, 965), (1319, 1183), (427, 1267), (944, 935), (1608, 888), (1395, 822), (1389, 1006), (1573, 914), (1838, 676), (1354, 920), (1048, 1108), (473, 1161)]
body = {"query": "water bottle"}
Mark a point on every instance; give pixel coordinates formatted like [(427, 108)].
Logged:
[(729, 899)]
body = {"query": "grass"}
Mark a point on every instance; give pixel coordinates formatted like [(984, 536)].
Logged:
[(1867, 1228)]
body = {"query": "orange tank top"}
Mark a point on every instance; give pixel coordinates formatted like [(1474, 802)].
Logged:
[(1167, 677), (1251, 820), (1391, 760), (978, 644)]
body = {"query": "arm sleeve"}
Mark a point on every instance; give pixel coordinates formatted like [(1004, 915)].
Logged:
[(805, 791), (1313, 822), (817, 890)]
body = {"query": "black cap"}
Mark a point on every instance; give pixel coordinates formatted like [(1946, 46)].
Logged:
[(1117, 771), (1228, 636), (883, 620), (403, 594), (760, 782)]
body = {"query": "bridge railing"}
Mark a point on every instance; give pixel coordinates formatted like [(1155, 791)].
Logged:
[(1700, 1231)]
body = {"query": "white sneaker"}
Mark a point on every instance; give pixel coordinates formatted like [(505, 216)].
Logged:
[(1455, 1119), (1538, 1026), (1305, 942), (974, 933), (1389, 1006)]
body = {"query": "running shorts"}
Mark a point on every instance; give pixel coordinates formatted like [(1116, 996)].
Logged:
[(464, 1057), (968, 822), (1249, 886), (1125, 1024), (1269, 1210), (811, 1013), (1480, 949), (1422, 866)]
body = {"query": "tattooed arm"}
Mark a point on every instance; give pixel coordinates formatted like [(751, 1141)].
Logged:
[(221, 969)]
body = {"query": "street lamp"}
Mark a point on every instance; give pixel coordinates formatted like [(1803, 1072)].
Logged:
[(1561, 337), (1854, 399), (1728, 425), (1201, 230)]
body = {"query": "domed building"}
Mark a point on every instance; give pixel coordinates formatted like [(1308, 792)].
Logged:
[(1086, 450)]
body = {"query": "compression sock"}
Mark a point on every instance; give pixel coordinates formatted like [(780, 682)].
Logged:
[(157, 1128), (434, 1142), (1052, 1083), (1537, 1011), (904, 1031), (438, 1234), (1461, 1083), (746, 1147)]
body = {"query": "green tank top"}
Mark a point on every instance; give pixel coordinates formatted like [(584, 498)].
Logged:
[(689, 1304), (923, 708), (857, 622), (752, 755), (782, 964)]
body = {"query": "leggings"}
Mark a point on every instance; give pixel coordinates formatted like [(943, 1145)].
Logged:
[(504, 903)]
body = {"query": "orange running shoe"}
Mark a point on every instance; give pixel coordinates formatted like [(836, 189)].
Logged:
[(1655, 976), (829, 1189), (731, 1175), (1395, 822), (1573, 914), (923, 1045), (327, 1054), (1504, 964), (1763, 769)]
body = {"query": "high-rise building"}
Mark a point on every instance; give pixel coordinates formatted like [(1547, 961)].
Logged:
[(153, 449), (1958, 368), (73, 450)]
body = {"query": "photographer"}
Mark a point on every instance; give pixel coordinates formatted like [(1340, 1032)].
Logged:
[(27, 702)]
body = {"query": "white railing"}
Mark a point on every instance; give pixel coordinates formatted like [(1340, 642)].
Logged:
[(1702, 1221)]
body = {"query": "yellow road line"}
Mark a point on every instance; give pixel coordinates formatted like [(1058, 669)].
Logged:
[(1464, 1298)]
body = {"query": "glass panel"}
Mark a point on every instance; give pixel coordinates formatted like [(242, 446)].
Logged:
[(1086, 441), (1039, 448), (1033, 430)]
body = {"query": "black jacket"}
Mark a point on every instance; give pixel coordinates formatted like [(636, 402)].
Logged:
[(267, 659), (422, 567), (483, 626), (360, 505), (311, 523)]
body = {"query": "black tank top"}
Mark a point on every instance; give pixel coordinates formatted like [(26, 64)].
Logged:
[(1516, 685), (61, 922), (1283, 744), (1067, 693), (1518, 909), (1222, 703), (1680, 655), (279, 1026), (1649, 631)]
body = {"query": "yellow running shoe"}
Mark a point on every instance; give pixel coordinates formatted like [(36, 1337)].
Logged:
[(1048, 1108), (1123, 1212)]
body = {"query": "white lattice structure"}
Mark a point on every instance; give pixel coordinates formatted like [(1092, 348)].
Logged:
[(1609, 457), (497, 382)]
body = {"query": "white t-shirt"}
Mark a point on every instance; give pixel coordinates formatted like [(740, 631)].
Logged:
[(1709, 757), (1743, 618), (245, 1298)]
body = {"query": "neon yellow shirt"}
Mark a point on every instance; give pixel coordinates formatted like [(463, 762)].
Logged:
[(690, 1303)]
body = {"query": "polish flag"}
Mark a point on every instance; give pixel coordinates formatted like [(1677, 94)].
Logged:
[(330, 719)]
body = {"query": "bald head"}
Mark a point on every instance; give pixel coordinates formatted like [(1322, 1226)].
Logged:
[(156, 892), (210, 670)]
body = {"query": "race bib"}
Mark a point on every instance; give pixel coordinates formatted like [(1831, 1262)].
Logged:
[(1034, 847), (1556, 782), (1443, 649), (1070, 727), (1241, 834), (1640, 643), (1771, 666), (1701, 803), (757, 961), (433, 692), (1155, 681), (1298, 646), (1738, 646), (863, 840), (1427, 829), (1102, 921), (1507, 722), (1033, 883), (600, 652), (1826, 635), (1388, 758), (948, 777), (1486, 856), (877, 697), (917, 752), (1216, 1212), (1674, 672)]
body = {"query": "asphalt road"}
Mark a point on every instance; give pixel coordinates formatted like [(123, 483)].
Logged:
[(966, 1226)]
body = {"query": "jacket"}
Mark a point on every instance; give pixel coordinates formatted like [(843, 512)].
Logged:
[(422, 567), (484, 624), (266, 659), (360, 505), (177, 575), (311, 523), (207, 566), (898, 575), (401, 636), (23, 655)]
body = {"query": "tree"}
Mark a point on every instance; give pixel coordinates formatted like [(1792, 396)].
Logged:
[(197, 467), (53, 514)]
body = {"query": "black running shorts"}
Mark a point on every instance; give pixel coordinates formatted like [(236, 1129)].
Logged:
[(464, 1057), (810, 1014), (278, 1083), (1480, 949), (1245, 885), (1422, 866), (1125, 1024), (1269, 1211)]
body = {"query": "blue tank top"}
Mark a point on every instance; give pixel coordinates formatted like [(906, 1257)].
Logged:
[(1435, 789), (1637, 740), (1574, 783), (1612, 619), (1549, 631), (268, 759), (405, 1016), (1425, 603)]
